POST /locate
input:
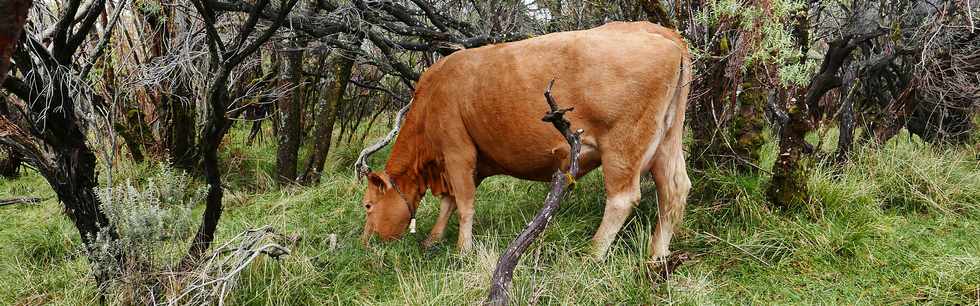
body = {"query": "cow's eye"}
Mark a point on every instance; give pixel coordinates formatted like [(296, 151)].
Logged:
[(367, 205)]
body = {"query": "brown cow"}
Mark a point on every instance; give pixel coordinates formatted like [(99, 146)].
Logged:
[(477, 113)]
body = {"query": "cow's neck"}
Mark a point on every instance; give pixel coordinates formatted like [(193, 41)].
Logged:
[(407, 155), (414, 163)]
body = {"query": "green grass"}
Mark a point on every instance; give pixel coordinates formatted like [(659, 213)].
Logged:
[(898, 225)]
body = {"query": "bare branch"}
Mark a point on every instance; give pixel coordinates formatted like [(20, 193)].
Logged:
[(284, 9), (246, 29), (60, 31), (104, 41), (14, 201), (83, 29), (361, 165)]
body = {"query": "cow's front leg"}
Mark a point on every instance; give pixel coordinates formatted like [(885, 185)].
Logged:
[(446, 207), (464, 189), (465, 209)]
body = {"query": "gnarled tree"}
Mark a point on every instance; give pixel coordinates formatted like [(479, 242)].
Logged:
[(48, 124), (224, 57)]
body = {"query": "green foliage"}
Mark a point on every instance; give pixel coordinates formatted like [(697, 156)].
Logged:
[(150, 8), (154, 212), (774, 43)]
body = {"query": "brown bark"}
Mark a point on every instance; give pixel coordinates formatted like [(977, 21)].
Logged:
[(341, 67), (290, 105)]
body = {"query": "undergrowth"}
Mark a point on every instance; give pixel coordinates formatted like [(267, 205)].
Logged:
[(896, 225)]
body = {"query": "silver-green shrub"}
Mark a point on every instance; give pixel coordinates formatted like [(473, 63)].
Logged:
[(154, 219)]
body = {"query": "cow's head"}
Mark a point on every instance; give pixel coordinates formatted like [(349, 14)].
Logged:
[(388, 212)]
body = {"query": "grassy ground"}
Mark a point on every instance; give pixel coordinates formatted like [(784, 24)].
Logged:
[(899, 225)]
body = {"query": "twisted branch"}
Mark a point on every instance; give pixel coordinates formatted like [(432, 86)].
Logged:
[(560, 183)]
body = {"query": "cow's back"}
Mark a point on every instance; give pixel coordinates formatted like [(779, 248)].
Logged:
[(618, 77)]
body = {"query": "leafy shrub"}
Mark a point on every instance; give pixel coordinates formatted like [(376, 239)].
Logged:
[(154, 221)]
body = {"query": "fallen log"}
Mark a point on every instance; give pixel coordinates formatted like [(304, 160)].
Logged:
[(561, 182)]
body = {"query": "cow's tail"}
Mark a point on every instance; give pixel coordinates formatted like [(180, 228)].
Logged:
[(678, 100)]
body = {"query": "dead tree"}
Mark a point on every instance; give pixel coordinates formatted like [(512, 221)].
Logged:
[(561, 182), (225, 57)]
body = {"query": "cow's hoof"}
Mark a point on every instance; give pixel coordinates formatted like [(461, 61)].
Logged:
[(662, 267), (429, 243), (465, 249), (597, 256)]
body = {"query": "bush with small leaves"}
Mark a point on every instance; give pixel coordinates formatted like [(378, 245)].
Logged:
[(154, 220)]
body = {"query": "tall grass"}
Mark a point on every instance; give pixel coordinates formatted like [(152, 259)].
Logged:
[(896, 225)]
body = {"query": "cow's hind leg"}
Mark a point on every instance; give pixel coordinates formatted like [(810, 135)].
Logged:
[(622, 193), (669, 171)]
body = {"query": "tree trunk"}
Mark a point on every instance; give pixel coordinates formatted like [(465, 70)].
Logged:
[(75, 185), (62, 156), (789, 175), (326, 117), (747, 127), (290, 106), (213, 133), (215, 126), (12, 23), (788, 184), (134, 133), (10, 159), (657, 13), (177, 127), (845, 142), (707, 122)]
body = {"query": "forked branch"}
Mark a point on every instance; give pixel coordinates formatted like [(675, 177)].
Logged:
[(560, 183)]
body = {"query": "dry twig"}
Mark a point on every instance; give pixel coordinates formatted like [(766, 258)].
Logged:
[(24, 200)]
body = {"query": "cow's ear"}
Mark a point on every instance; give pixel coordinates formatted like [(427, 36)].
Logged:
[(376, 180)]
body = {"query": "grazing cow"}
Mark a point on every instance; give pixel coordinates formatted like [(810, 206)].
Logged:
[(477, 113)]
